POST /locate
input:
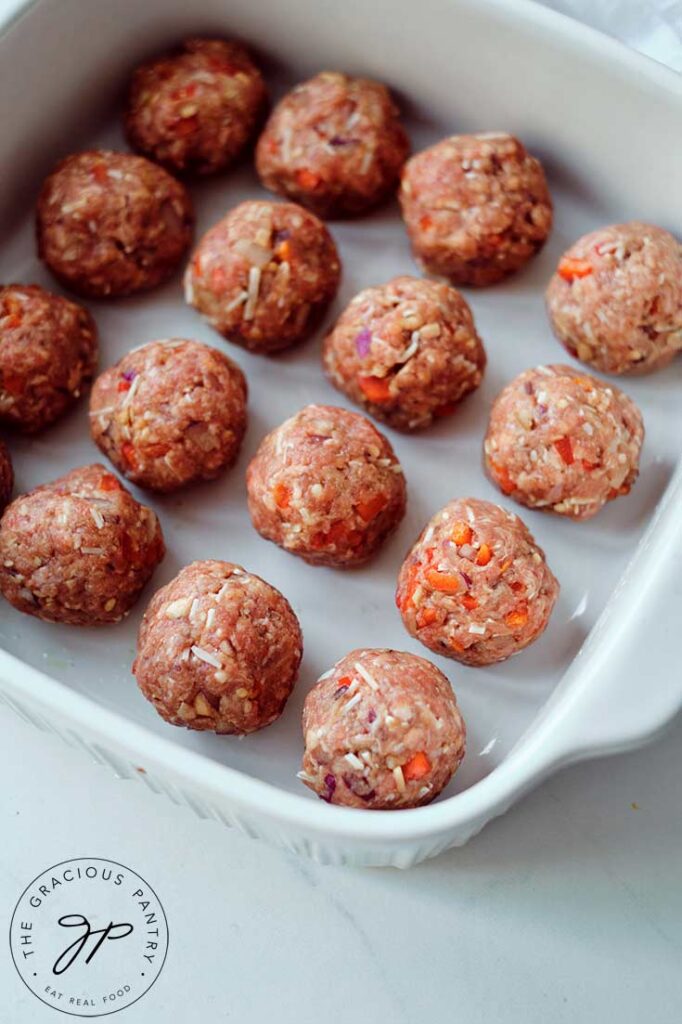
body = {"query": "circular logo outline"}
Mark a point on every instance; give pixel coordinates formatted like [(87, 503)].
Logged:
[(98, 860)]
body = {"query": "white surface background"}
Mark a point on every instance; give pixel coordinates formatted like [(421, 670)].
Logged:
[(568, 909)]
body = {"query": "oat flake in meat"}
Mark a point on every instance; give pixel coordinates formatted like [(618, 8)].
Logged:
[(382, 731), (326, 486), (407, 351), (48, 353), (195, 110), (111, 224), (264, 275), (78, 550), (476, 207), (334, 144), (615, 300), (170, 413), (476, 586), (562, 441), (218, 650), (6, 475)]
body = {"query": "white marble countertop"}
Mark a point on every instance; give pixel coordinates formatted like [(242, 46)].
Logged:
[(568, 909)]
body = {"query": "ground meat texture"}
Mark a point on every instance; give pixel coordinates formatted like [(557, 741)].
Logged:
[(615, 300), (111, 224), (564, 442), (476, 207), (264, 275), (476, 586), (382, 732), (218, 650), (327, 486), (48, 354), (170, 413), (334, 144), (6, 475), (196, 109), (407, 351), (78, 550)]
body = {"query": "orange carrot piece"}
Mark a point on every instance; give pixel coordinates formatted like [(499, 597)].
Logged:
[(129, 454), (461, 533), (124, 385), (308, 180), (99, 173), (565, 450), (484, 555), (108, 482), (368, 510), (376, 389), (570, 268), (417, 767), (425, 222), (282, 495), (469, 602), (518, 617), (501, 477), (443, 581), (426, 617), (283, 250)]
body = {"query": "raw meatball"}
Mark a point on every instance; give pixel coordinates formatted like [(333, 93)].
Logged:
[(475, 586), (6, 475), (48, 354), (382, 731), (334, 144), (264, 275), (563, 442), (111, 224), (615, 301), (196, 109), (218, 650), (170, 413), (407, 351), (327, 486), (78, 550), (477, 207)]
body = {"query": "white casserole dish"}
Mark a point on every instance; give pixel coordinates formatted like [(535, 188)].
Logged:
[(605, 676)]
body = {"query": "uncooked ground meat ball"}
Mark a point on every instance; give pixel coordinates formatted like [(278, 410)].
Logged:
[(196, 109), (382, 731), (327, 486), (476, 207), (564, 442), (334, 144), (111, 224), (170, 413), (407, 351), (475, 586), (615, 301), (218, 650), (264, 275), (6, 475), (78, 550), (48, 354)]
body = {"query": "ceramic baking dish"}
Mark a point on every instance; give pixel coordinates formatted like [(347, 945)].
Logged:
[(605, 676)]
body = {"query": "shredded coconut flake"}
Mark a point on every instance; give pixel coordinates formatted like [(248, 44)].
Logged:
[(353, 760), (369, 679), (254, 287), (478, 630), (98, 518), (399, 779), (206, 656), (351, 703)]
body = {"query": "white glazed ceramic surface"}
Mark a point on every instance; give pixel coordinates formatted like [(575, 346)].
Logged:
[(602, 119)]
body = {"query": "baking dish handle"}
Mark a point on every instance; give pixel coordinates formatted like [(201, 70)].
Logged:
[(624, 687)]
